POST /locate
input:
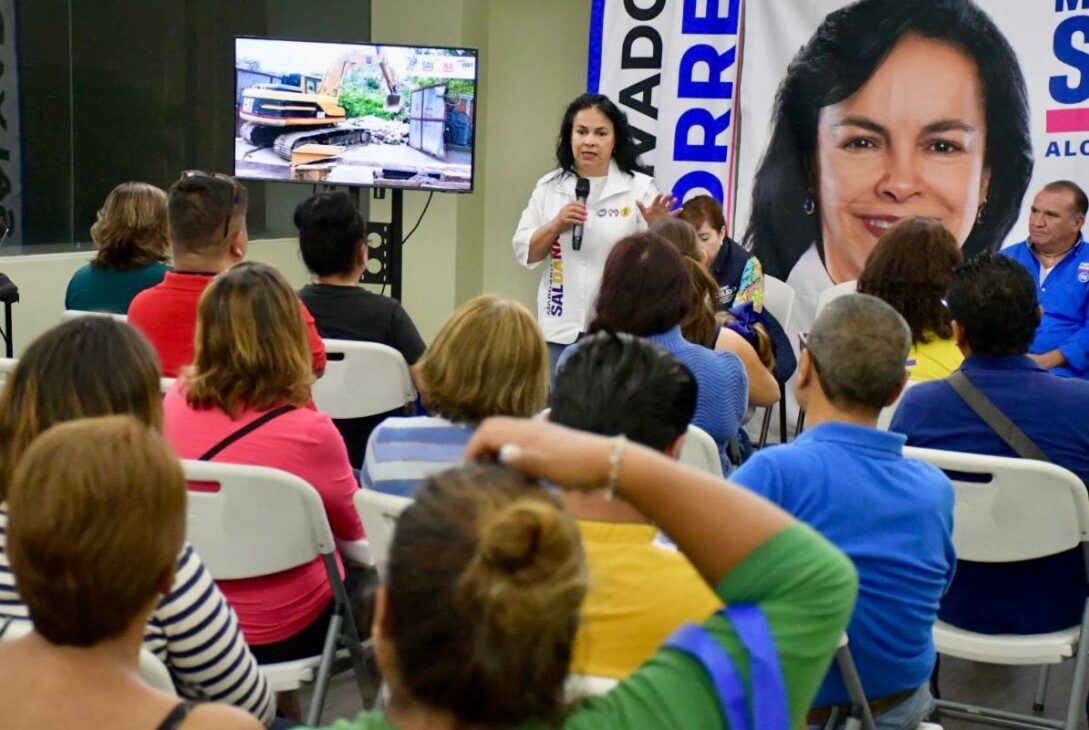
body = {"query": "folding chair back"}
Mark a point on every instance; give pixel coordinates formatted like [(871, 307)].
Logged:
[(379, 513), (70, 314), (259, 520), (700, 452), (1010, 509), (779, 298), (884, 418), (362, 379)]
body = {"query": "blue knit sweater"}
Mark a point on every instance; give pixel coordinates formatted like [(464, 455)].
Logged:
[(723, 393)]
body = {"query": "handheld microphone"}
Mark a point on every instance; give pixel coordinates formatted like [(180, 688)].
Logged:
[(582, 192)]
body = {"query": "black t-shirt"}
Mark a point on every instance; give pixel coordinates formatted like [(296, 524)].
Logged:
[(353, 313)]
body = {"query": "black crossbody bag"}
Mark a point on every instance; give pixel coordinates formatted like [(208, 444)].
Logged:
[(998, 421)]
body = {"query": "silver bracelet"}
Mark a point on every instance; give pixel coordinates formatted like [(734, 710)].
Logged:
[(614, 466)]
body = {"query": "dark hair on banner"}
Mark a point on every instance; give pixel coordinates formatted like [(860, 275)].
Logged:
[(623, 152), (837, 61)]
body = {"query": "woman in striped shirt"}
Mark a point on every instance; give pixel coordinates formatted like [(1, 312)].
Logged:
[(192, 630)]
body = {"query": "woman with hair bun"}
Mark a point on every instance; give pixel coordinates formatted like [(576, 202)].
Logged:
[(595, 143), (475, 624), (132, 239)]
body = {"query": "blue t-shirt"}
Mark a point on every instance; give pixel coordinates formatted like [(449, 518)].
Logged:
[(894, 518), (402, 452), (1064, 296), (1030, 596), (106, 289)]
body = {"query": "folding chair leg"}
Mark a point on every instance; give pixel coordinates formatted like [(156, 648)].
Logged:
[(855, 690), (1041, 689), (782, 413), (1078, 688), (764, 428), (321, 683)]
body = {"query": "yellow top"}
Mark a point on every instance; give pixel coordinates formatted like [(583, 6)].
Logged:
[(934, 360), (641, 591)]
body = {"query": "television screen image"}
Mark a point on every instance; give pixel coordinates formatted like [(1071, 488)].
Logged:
[(355, 114)]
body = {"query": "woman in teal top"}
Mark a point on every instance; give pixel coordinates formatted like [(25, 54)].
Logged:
[(486, 578), (131, 236)]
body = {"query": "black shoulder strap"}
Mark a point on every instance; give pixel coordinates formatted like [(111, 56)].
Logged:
[(177, 716), (999, 422), (248, 428)]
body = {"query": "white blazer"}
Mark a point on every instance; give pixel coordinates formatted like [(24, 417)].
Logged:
[(568, 288)]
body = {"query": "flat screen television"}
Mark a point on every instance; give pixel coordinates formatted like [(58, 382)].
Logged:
[(355, 114)]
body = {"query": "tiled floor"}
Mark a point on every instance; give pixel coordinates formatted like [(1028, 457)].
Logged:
[(1009, 688)]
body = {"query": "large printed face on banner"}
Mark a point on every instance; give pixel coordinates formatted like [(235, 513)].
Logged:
[(910, 142)]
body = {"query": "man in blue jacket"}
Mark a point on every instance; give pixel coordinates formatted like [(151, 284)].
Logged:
[(1058, 259)]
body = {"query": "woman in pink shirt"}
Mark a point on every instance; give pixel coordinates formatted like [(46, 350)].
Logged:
[(252, 362)]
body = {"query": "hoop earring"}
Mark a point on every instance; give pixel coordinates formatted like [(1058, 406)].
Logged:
[(808, 204), (982, 209)]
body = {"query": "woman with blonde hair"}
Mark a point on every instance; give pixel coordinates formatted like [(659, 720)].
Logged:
[(706, 325), (475, 625), (90, 575), (489, 359), (244, 401), (191, 628), (132, 239)]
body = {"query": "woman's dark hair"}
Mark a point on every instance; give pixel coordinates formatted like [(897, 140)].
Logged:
[(486, 570), (993, 299), (645, 287), (330, 232), (839, 59), (910, 268), (700, 325), (623, 153)]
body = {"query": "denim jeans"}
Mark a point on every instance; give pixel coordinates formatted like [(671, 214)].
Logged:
[(905, 716)]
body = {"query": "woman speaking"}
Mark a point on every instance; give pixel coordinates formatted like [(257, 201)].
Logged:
[(575, 235)]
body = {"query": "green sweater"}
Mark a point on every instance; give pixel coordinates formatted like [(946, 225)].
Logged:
[(806, 588), (105, 289)]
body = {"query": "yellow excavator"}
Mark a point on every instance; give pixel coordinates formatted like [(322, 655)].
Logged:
[(285, 116)]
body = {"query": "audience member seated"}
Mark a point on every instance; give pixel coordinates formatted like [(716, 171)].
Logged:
[(737, 271), (646, 291), (892, 516), (910, 269), (489, 359), (992, 300), (208, 228), (95, 366), (641, 588), (702, 323), (486, 578), (333, 241), (1058, 259), (243, 401), (131, 236), (91, 575)]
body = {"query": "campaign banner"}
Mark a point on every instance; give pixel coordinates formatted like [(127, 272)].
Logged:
[(11, 205), (672, 67), (963, 120)]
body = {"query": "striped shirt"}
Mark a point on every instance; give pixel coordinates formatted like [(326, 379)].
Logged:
[(192, 630), (402, 452)]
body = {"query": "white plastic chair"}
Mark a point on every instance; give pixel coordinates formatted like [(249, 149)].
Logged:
[(379, 512), (700, 452), (834, 292), (1022, 510), (362, 379), (884, 418), (779, 301), (582, 686), (70, 314), (152, 670), (263, 521)]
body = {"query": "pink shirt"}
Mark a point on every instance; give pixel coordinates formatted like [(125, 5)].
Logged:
[(302, 442)]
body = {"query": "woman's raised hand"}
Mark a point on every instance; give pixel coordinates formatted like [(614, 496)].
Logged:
[(661, 207)]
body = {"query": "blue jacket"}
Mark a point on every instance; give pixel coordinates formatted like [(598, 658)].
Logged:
[(1064, 295)]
